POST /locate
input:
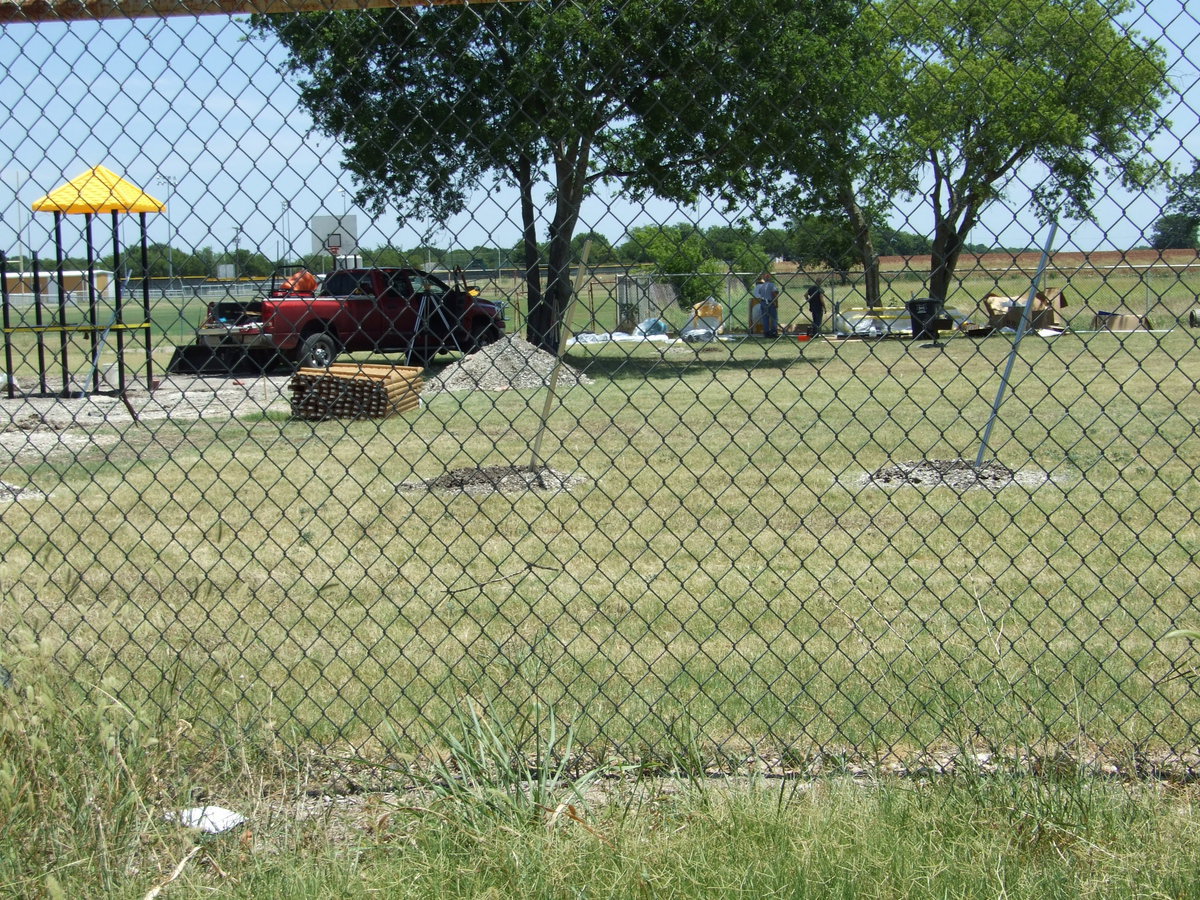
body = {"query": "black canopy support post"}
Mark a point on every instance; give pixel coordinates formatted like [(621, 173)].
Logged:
[(39, 321), (146, 305), (92, 320), (8, 355), (62, 304), (119, 300)]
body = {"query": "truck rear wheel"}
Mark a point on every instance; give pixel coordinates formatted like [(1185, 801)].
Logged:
[(318, 351)]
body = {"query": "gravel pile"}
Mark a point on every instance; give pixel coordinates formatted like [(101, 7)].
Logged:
[(510, 362), (958, 474)]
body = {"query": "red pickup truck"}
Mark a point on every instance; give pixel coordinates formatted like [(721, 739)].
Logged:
[(381, 310)]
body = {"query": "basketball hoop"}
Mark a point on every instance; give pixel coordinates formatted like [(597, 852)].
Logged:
[(334, 244)]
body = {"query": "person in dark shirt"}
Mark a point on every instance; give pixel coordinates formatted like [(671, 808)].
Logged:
[(816, 309)]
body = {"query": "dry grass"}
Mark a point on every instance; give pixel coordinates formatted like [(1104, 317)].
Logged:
[(722, 566)]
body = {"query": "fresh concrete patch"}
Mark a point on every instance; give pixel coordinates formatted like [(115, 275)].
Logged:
[(497, 479), (43, 425), (957, 474), (12, 492)]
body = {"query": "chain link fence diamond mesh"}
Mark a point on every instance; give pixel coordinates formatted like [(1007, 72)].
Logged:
[(706, 372)]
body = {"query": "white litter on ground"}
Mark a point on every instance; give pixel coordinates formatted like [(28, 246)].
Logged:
[(209, 819)]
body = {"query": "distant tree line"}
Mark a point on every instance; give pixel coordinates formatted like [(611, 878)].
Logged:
[(164, 261), (1177, 228)]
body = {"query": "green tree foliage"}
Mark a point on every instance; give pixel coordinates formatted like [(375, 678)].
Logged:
[(664, 96), (1185, 197), (601, 251), (202, 263), (890, 242), (683, 256), (1177, 227), (993, 85), (824, 240), (388, 256), (1174, 231), (775, 242), (635, 249), (840, 179), (250, 264)]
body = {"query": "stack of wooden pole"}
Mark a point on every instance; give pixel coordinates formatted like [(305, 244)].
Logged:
[(353, 391)]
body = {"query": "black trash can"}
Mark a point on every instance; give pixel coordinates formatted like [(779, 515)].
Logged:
[(927, 318)]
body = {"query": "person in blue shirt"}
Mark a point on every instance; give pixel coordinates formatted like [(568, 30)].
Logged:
[(767, 293)]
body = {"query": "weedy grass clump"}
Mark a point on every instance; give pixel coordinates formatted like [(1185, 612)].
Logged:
[(517, 770), (80, 772)]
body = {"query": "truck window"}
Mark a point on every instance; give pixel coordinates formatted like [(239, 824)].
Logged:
[(340, 284), (422, 285), (397, 285)]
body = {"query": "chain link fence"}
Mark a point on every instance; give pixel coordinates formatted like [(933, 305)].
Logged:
[(363, 361)]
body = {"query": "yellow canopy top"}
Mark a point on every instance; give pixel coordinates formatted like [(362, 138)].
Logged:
[(98, 190)]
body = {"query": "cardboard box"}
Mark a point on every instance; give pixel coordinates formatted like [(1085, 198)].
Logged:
[(1006, 312), (1105, 321)]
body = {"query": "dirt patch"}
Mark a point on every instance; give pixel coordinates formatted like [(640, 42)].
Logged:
[(510, 362), (497, 479), (957, 474), (1028, 261)]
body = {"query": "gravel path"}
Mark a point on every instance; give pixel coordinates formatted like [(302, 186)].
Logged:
[(33, 426)]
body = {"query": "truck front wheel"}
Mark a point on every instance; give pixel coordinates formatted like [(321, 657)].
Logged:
[(318, 350), (481, 336)]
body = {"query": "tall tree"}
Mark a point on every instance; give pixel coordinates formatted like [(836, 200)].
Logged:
[(1174, 231), (854, 158), (683, 256), (995, 85), (667, 97), (1178, 225), (1185, 196), (829, 240)]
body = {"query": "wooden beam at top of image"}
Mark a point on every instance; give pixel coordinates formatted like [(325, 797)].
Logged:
[(14, 11)]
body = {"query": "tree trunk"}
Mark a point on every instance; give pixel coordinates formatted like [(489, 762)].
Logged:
[(538, 316), (950, 229), (947, 247), (864, 243), (571, 175)]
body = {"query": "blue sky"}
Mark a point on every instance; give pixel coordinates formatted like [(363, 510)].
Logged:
[(191, 100)]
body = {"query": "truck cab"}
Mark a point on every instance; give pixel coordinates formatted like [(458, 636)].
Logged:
[(384, 310)]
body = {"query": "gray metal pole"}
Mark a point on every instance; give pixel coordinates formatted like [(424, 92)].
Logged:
[(1012, 355), (535, 461)]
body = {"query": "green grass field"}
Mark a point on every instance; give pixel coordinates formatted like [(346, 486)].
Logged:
[(230, 610), (90, 787), (722, 571)]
